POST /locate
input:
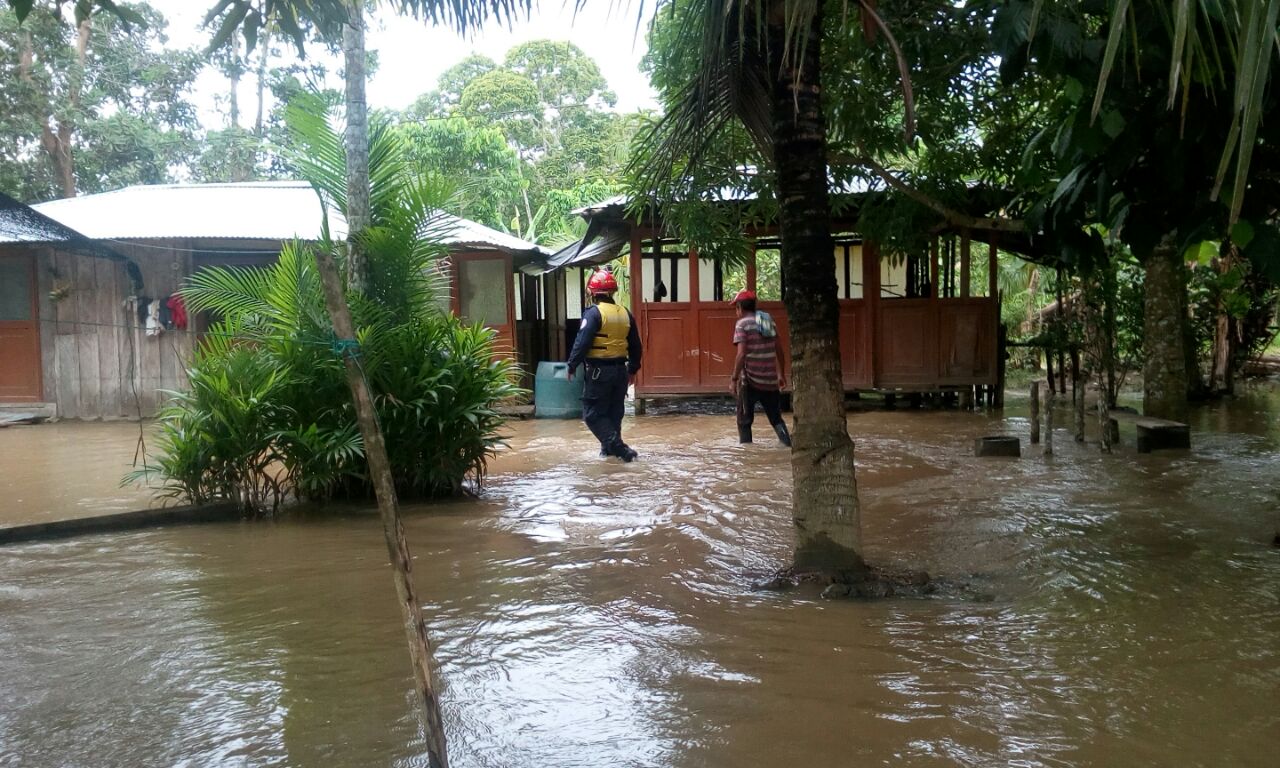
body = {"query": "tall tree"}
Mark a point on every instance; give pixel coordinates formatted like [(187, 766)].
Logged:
[(1146, 152), (758, 65), (92, 107), (553, 105)]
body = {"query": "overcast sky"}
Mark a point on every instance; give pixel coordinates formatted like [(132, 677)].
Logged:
[(411, 54)]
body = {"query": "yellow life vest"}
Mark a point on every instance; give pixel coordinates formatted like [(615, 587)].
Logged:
[(611, 339)]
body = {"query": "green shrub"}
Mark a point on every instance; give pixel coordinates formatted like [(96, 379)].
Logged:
[(267, 415)]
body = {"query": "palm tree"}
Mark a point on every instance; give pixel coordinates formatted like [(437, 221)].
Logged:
[(758, 66)]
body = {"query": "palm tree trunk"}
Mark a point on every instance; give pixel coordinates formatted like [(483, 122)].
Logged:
[(357, 145), (1164, 361), (825, 490)]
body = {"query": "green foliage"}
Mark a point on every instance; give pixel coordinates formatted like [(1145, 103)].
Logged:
[(474, 158), (526, 141), (268, 415), (125, 116)]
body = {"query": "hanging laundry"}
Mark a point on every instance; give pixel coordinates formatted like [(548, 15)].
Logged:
[(153, 325), (143, 305), (177, 312)]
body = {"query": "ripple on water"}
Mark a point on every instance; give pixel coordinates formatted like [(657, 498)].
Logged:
[(592, 613)]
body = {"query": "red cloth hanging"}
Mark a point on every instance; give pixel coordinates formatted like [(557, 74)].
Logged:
[(177, 311)]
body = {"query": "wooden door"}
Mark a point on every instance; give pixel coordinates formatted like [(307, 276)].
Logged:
[(486, 296), (20, 379)]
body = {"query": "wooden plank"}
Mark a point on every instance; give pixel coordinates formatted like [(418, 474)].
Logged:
[(148, 370), (45, 265), (86, 299), (64, 283), (111, 315), (67, 371)]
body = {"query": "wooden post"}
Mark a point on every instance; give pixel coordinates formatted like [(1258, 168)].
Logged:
[(993, 265), (966, 399), (933, 268), (1048, 422), (636, 264), (1075, 374), (1048, 366), (871, 295), (389, 508), (1078, 398), (1035, 412), (1002, 347), (1104, 423), (965, 264)]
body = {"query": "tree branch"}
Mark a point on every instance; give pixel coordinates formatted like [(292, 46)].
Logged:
[(951, 215)]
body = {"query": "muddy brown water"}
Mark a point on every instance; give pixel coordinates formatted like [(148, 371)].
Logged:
[(1121, 611)]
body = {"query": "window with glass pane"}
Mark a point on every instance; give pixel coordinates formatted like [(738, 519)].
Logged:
[(15, 289), (484, 289)]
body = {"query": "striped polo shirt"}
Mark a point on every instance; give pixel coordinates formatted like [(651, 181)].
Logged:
[(761, 368)]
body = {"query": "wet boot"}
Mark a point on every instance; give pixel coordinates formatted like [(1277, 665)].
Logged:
[(784, 436), (744, 434), (621, 450)]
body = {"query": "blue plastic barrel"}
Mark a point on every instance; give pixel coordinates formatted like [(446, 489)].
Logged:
[(554, 396)]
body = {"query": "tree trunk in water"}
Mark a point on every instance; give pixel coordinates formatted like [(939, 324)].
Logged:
[(357, 146), (389, 507), (1109, 334), (1164, 366), (1221, 375), (825, 490)]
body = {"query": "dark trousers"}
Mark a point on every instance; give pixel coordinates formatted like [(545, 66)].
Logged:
[(603, 397), (748, 396)]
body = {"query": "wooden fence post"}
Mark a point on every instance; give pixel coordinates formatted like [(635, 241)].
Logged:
[(1104, 423), (1077, 395), (1035, 412), (389, 507), (1048, 421)]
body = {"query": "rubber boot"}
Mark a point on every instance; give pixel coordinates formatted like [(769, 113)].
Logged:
[(621, 450), (784, 436), (744, 434)]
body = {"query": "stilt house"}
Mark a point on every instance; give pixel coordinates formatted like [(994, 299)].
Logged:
[(915, 323)]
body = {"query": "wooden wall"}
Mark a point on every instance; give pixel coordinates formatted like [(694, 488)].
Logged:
[(98, 363)]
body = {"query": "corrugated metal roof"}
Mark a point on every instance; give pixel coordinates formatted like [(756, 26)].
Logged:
[(473, 234), (257, 210), (20, 223), (262, 210)]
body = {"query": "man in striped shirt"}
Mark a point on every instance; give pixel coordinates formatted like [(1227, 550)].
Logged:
[(757, 370)]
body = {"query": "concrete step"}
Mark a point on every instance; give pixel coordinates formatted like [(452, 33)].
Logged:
[(26, 413), (1156, 434)]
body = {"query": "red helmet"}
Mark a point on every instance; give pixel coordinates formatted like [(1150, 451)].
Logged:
[(744, 295), (602, 281)]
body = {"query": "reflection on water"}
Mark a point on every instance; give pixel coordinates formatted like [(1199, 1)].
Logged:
[(591, 613)]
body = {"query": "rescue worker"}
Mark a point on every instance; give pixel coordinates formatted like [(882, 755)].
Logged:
[(609, 343), (757, 369)]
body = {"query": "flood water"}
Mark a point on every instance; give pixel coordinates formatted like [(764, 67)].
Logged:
[(1120, 610), (67, 470)]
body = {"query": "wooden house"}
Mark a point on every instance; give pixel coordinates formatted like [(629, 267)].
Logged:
[(914, 323), (76, 285)]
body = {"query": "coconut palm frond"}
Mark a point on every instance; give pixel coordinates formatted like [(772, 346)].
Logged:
[(733, 84), (296, 17), (1224, 40)]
